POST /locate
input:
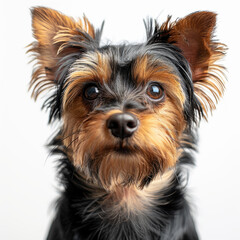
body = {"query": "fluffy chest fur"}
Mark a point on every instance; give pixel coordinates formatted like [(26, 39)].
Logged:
[(126, 213)]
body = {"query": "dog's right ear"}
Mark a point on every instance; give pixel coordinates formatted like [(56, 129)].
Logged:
[(59, 42)]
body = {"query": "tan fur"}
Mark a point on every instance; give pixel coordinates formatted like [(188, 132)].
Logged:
[(132, 201)]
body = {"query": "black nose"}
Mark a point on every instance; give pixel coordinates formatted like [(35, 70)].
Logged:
[(122, 125)]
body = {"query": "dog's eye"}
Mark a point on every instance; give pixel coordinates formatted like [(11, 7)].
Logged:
[(91, 92), (155, 91)]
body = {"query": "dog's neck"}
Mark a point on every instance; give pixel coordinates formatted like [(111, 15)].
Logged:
[(124, 203), (132, 200)]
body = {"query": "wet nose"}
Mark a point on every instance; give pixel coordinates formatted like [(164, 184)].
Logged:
[(122, 125)]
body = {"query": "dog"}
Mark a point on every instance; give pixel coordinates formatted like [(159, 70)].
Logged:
[(128, 116)]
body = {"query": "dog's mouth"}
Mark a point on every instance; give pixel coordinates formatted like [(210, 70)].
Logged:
[(123, 150), (119, 149)]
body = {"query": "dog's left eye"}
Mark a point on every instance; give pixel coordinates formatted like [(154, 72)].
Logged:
[(91, 92), (155, 91)]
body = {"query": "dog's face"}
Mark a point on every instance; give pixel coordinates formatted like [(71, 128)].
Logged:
[(123, 114), (126, 109)]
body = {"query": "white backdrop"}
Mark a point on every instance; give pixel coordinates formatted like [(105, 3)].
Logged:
[(27, 174)]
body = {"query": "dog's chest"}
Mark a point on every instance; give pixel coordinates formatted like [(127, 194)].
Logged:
[(127, 212)]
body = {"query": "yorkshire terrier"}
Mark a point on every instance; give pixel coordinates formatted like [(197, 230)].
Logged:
[(128, 116)]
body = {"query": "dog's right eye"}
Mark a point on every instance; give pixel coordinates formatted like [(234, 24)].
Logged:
[(91, 92)]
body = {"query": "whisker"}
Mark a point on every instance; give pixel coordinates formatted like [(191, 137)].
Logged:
[(70, 135), (71, 142)]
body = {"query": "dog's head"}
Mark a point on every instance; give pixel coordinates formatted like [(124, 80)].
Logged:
[(125, 109)]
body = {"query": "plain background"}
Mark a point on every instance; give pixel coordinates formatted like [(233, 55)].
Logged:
[(28, 183)]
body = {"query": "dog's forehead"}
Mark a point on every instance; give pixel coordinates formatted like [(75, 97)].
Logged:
[(125, 62), (125, 55)]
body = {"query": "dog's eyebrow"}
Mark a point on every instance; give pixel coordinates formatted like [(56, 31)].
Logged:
[(92, 66), (145, 69)]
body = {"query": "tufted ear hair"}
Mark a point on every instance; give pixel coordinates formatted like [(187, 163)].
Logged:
[(193, 35), (59, 41)]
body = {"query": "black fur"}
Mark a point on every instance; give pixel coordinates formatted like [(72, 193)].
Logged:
[(79, 216)]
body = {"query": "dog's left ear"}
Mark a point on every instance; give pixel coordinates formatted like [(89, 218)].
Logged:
[(193, 35), (59, 41)]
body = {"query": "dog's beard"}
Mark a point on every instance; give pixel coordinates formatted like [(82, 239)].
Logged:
[(121, 165)]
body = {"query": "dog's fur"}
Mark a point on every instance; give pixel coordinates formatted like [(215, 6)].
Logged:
[(116, 185)]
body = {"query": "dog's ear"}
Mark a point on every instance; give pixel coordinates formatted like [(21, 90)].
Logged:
[(193, 35), (59, 41)]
